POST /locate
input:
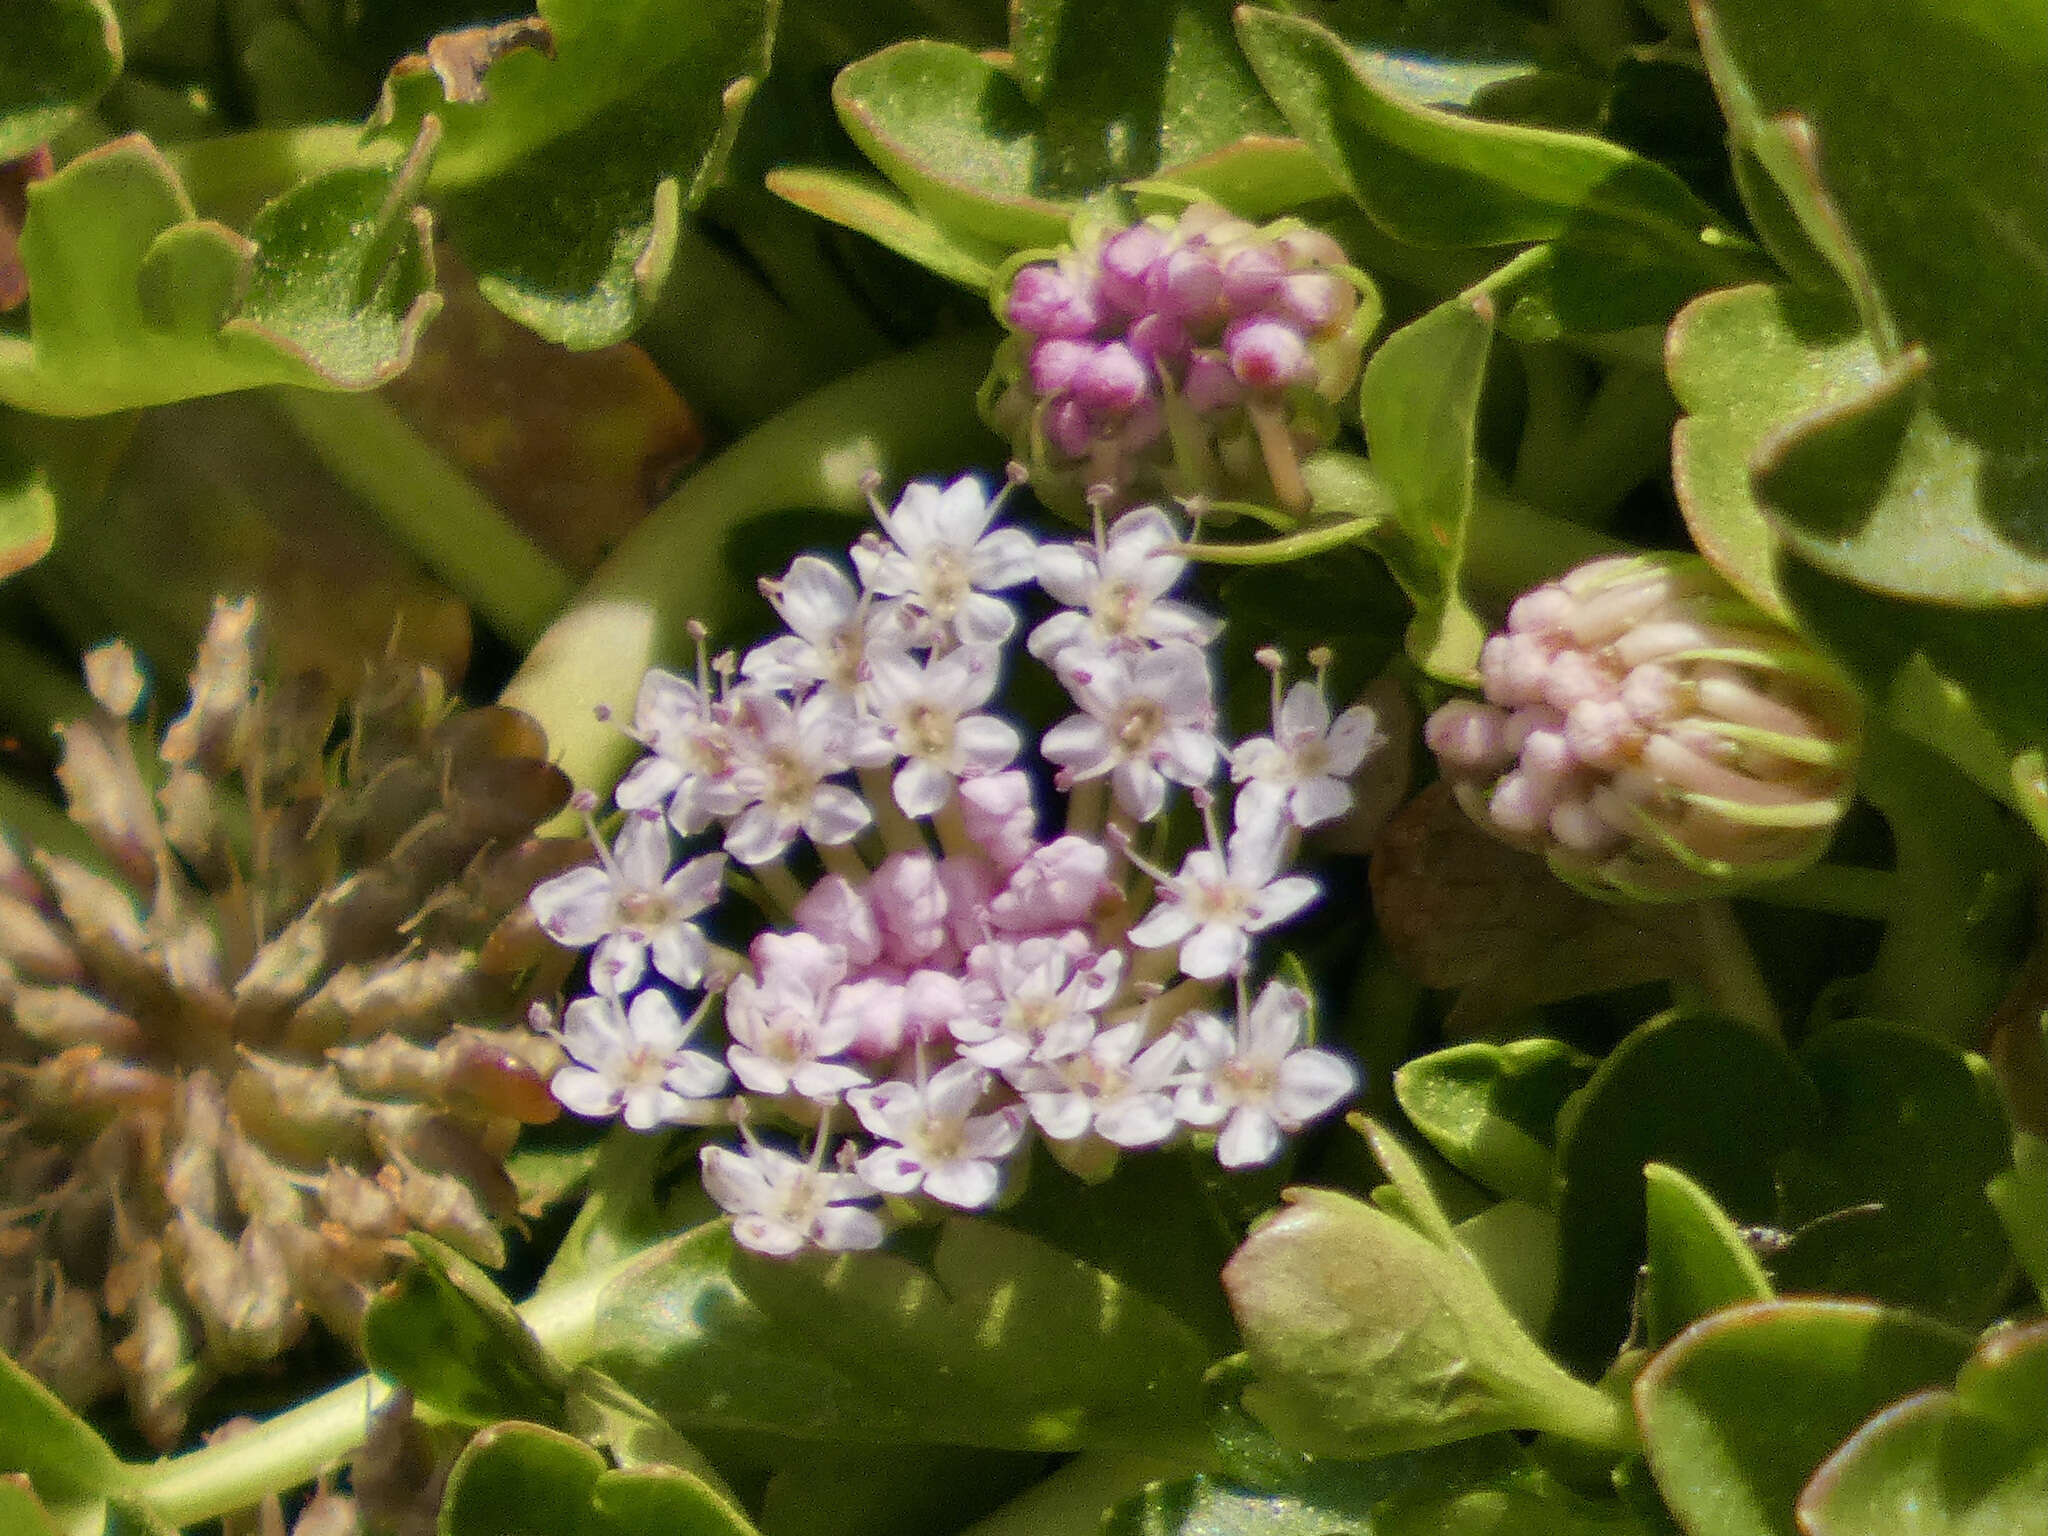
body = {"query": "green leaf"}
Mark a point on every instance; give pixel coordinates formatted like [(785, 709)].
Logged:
[(662, 1501), (1972, 1462), (56, 57), (68, 1464), (563, 178), (1420, 406), (527, 1480), (21, 1512), (1928, 203), (1913, 1127), (446, 1334), (1741, 1408), (1698, 1260), (134, 301), (1435, 178), (1522, 1500), (2020, 1196), (1491, 1110), (1255, 178), (1003, 1342), (1740, 361), (1135, 89), (958, 137), (871, 206), (1367, 1338), (1706, 1095), (1448, 53)]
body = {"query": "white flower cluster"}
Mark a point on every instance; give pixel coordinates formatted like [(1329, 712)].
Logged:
[(950, 977)]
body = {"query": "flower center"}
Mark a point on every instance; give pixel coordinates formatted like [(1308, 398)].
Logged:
[(791, 781), (642, 910), (1137, 723), (945, 582), (1117, 606), (928, 731), (1220, 901)]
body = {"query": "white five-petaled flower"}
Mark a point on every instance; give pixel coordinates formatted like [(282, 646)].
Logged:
[(933, 1140), (1220, 898), (1298, 774), (690, 761), (1033, 999), (781, 1204), (1118, 1087), (631, 905), (828, 643), (944, 562), (924, 712), (632, 1057), (1253, 1081), (1115, 589), (788, 755), (784, 1029), (1146, 718)]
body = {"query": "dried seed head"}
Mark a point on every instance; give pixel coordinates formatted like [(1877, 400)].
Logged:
[(261, 1043)]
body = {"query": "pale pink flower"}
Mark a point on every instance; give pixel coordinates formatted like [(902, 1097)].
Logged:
[(1058, 886), (1300, 773), (632, 1058), (926, 714), (1146, 718), (691, 759), (1000, 816), (941, 563), (1118, 585), (1118, 1087), (785, 1034), (1253, 1081), (932, 1139), (1219, 900), (1034, 999), (830, 630), (631, 905), (788, 756), (781, 1205)]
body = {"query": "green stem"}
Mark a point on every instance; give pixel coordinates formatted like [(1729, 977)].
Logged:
[(1623, 439), (1511, 546), (432, 508), (1957, 924), (909, 413), (297, 1445), (1728, 971), (1555, 383)]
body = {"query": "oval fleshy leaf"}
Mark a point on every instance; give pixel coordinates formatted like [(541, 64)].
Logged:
[(28, 510), (957, 135), (571, 150), (135, 302), (876, 209), (56, 57), (1490, 1109), (1968, 1462), (1739, 1409), (1698, 1261), (1931, 482)]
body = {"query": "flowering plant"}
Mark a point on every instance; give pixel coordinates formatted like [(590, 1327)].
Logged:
[(1431, 921)]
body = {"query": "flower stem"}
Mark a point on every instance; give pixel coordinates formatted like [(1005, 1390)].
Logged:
[(298, 1444), (1728, 971), (904, 414), (1843, 890), (432, 508)]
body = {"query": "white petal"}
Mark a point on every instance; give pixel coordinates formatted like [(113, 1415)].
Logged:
[(655, 1023), (1250, 1140), (618, 963), (892, 1170), (1303, 712), (1312, 1083), (1276, 1021), (986, 745), (695, 1075), (680, 953), (954, 1090), (1356, 732), (964, 1183), (823, 1082), (1142, 1120), (696, 885), (761, 1074), (889, 1110), (962, 511), (1006, 558), (816, 598), (996, 1135), (651, 781), (1200, 1104), (1140, 789), (584, 1092), (733, 1180), (574, 909), (1280, 901), (1061, 1113), (984, 620), (921, 787), (1078, 743), (643, 851), (1319, 800), (846, 1229), (647, 1105), (1214, 949), (1167, 923), (760, 836), (837, 815), (1068, 573), (765, 1234)]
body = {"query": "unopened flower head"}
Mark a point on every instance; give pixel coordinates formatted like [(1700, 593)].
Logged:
[(1652, 734), (1195, 354), (943, 976)]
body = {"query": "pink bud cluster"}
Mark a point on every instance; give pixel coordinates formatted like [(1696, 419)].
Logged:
[(943, 978), (1195, 354), (1652, 734)]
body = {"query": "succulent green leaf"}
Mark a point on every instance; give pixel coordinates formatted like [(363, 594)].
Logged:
[(1134, 89), (1739, 1410), (1258, 177), (876, 209), (1971, 1462), (562, 178), (1740, 361), (28, 509), (2020, 1195), (1367, 1337), (1453, 53), (1207, 1506), (528, 1480), (1929, 482), (68, 1464), (1491, 1110), (1698, 1260), (958, 137), (1706, 1095), (56, 57), (1435, 178), (1420, 406), (1003, 1342), (446, 1334), (21, 1512), (1525, 1500), (134, 301)]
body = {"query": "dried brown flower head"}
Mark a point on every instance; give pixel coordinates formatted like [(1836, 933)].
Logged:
[(279, 1023)]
